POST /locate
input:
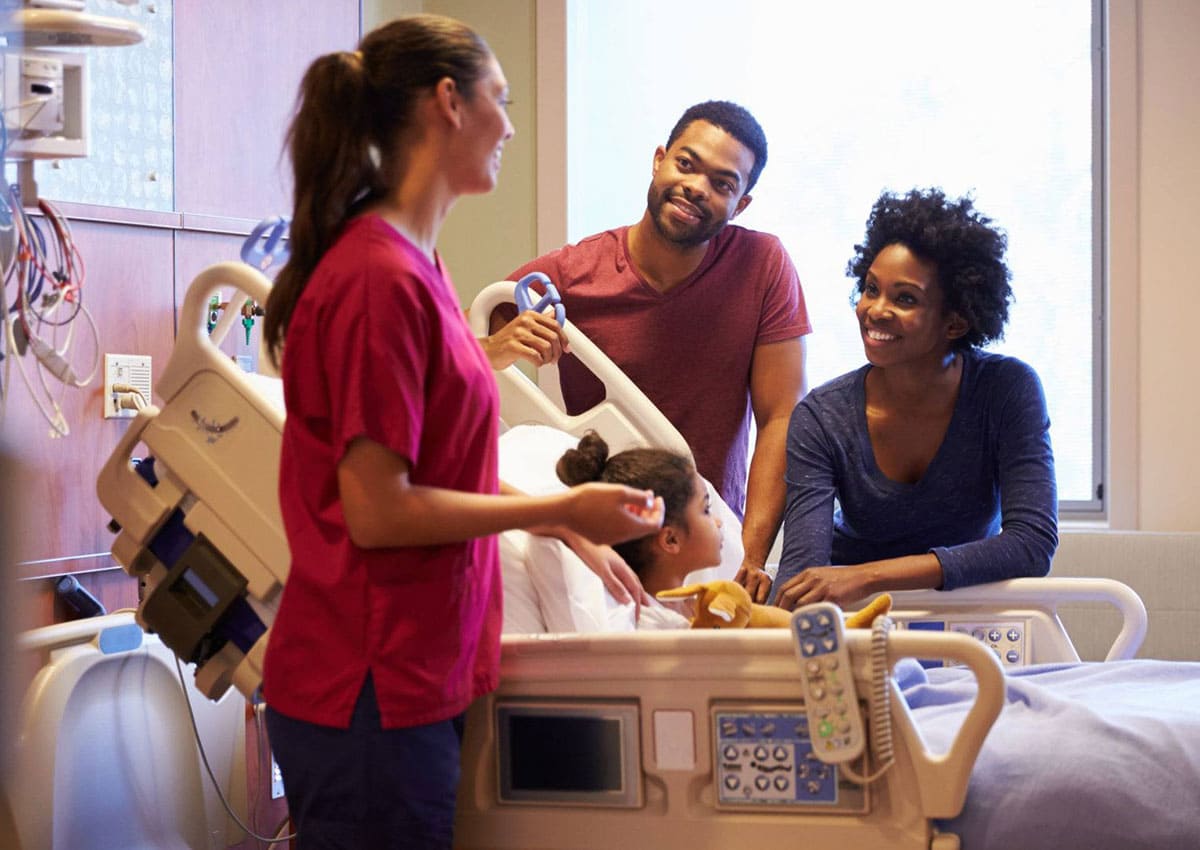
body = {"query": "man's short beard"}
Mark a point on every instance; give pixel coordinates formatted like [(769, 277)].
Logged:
[(701, 232)]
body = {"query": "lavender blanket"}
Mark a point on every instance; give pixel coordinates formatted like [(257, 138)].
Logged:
[(1090, 756)]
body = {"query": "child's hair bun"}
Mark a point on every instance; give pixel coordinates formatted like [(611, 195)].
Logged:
[(585, 462)]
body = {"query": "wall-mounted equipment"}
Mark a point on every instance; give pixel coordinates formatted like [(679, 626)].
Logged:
[(44, 90), (45, 113)]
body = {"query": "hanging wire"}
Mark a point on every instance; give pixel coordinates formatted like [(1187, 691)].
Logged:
[(46, 274)]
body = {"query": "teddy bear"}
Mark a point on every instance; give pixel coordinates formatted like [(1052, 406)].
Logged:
[(724, 604)]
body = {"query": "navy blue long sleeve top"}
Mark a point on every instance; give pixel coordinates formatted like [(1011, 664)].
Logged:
[(986, 506)]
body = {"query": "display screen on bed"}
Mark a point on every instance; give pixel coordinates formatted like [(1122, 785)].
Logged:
[(570, 753)]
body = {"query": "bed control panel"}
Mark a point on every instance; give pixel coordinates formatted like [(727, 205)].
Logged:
[(835, 722), (763, 758), (1009, 639)]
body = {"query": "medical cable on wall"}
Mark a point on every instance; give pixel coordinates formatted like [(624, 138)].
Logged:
[(43, 98)]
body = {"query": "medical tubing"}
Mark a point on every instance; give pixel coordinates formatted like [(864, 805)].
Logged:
[(57, 422), (48, 276), (212, 776), (879, 704)]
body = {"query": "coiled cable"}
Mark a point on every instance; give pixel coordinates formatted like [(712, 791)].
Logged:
[(879, 704)]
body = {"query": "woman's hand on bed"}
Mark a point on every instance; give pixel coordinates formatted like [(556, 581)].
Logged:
[(840, 585), (756, 581), (850, 584), (531, 336)]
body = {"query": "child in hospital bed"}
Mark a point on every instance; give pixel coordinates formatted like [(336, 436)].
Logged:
[(548, 587), (691, 535)]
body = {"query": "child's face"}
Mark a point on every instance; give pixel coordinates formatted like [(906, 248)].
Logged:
[(702, 540)]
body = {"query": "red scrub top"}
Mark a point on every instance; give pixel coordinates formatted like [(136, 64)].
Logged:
[(378, 347)]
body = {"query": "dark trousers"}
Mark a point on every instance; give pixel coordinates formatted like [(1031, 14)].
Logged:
[(367, 788)]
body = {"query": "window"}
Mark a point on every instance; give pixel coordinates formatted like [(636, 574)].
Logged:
[(1001, 100)]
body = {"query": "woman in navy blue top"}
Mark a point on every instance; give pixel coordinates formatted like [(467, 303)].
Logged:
[(930, 467)]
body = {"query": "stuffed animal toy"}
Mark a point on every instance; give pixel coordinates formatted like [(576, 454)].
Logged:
[(724, 604)]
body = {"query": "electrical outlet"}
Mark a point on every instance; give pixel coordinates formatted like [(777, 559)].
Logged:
[(131, 369)]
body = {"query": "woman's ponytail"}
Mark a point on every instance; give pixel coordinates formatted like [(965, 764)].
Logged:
[(351, 113), (330, 145)]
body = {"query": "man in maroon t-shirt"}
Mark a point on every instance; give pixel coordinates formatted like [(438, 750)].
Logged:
[(707, 318)]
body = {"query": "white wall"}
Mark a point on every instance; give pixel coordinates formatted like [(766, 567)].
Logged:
[(1168, 399), (1154, 138)]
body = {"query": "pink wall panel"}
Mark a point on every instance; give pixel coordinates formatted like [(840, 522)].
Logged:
[(237, 70), (130, 293)]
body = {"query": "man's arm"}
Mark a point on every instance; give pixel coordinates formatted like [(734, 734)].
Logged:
[(776, 385)]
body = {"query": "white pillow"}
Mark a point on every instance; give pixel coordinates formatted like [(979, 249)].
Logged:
[(528, 455), (570, 597), (522, 613)]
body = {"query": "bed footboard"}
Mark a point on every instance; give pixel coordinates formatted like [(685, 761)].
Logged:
[(704, 742)]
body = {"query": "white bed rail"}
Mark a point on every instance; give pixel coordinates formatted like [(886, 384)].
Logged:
[(212, 443), (625, 418), (1037, 600), (193, 342)]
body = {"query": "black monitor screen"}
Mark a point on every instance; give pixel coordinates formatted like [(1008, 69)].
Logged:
[(564, 753)]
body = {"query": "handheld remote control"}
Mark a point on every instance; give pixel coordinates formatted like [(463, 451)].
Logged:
[(835, 723)]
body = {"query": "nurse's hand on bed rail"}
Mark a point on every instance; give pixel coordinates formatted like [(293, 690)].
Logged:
[(532, 336)]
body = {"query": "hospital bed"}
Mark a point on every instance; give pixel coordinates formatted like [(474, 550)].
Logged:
[(198, 519)]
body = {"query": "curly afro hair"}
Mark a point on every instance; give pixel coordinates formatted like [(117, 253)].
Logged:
[(964, 245)]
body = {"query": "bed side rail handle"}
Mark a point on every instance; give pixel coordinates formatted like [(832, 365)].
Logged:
[(129, 500), (944, 777), (624, 401)]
